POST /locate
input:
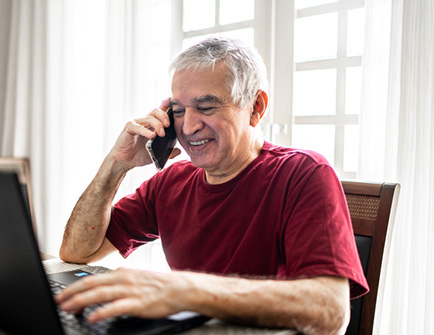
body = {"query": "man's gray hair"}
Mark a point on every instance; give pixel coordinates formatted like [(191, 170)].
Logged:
[(246, 69)]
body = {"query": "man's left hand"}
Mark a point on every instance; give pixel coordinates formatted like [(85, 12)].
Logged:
[(125, 291)]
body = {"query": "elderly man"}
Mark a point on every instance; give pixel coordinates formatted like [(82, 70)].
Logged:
[(253, 232)]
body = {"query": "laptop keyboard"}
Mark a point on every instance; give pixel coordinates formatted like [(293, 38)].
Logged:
[(79, 322)]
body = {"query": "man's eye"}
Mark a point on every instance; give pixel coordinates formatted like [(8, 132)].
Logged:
[(178, 112), (205, 110)]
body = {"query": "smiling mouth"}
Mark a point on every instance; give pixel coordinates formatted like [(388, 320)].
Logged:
[(197, 143)]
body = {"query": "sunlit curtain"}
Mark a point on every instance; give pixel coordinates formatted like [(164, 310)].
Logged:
[(72, 73), (23, 90), (397, 145)]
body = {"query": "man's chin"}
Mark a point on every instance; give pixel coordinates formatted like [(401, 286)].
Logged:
[(202, 163)]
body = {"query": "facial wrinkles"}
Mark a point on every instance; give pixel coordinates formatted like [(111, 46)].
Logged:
[(208, 100), (203, 106)]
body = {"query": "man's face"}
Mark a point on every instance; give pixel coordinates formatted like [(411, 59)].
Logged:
[(214, 131)]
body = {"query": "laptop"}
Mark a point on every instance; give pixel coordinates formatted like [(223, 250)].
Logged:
[(27, 305)]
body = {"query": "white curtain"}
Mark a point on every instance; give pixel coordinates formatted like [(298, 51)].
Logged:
[(397, 145), (23, 89), (72, 73)]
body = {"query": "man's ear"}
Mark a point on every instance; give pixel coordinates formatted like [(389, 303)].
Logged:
[(259, 107)]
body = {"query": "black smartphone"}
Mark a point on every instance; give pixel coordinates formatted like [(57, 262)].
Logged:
[(160, 148)]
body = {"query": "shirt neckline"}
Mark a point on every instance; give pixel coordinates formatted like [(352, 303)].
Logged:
[(217, 188)]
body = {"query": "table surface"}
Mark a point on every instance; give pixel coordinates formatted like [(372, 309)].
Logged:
[(211, 327)]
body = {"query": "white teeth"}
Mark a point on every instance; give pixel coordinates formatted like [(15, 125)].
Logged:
[(199, 142)]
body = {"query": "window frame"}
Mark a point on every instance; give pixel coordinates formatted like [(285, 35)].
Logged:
[(273, 26), (340, 119)]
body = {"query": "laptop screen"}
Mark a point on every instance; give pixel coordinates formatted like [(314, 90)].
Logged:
[(27, 305)]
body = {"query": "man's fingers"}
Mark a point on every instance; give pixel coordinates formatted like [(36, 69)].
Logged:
[(152, 124), (155, 122), (147, 127), (98, 295), (165, 104), (133, 306), (116, 308), (87, 290), (137, 293)]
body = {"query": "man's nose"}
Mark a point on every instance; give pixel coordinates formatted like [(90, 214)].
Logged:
[(192, 122)]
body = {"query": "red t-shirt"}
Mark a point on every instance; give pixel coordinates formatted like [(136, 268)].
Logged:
[(284, 217)]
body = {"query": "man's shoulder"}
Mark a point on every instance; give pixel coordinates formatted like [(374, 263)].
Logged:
[(275, 151)]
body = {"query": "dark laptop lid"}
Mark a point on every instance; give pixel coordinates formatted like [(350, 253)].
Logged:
[(27, 306), (26, 302)]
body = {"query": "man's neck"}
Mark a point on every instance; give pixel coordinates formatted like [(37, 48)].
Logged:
[(218, 177)]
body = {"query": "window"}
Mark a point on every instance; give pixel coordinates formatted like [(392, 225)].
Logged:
[(201, 18), (313, 53), (328, 47)]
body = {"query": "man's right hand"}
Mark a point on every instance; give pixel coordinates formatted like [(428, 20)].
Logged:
[(84, 238), (130, 147)]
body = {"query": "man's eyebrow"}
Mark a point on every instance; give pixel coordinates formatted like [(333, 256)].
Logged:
[(208, 98), (205, 98)]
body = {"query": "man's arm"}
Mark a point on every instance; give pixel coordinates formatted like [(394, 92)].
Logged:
[(84, 238), (315, 306)]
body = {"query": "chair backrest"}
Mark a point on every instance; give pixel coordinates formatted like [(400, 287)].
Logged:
[(372, 209), (21, 166)]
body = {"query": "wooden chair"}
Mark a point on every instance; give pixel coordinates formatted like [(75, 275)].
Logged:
[(372, 208), (21, 166)]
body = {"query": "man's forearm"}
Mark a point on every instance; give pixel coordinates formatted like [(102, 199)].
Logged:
[(87, 226), (314, 306)]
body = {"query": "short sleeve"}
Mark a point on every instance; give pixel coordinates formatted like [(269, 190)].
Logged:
[(133, 221), (319, 238)]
